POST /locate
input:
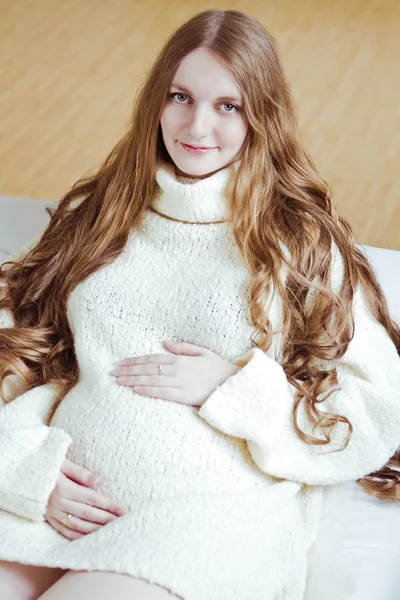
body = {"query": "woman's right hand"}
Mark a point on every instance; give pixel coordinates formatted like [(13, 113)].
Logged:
[(73, 495)]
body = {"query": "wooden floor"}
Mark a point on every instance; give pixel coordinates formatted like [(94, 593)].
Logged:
[(69, 70)]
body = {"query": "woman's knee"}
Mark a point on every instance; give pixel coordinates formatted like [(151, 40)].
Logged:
[(26, 582), (102, 585)]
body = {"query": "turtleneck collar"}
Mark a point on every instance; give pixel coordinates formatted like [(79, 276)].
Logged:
[(192, 200)]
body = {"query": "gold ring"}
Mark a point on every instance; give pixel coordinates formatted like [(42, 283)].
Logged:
[(65, 520), (160, 369)]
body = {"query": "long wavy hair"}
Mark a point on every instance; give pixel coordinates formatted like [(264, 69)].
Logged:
[(276, 196)]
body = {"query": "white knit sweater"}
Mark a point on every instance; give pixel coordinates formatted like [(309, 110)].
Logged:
[(223, 501)]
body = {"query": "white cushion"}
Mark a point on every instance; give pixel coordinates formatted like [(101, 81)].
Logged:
[(21, 220), (356, 554), (386, 264)]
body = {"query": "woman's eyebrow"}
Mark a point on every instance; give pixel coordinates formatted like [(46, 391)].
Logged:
[(219, 99)]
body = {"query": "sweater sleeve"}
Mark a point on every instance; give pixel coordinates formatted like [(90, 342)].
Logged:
[(31, 453), (256, 404)]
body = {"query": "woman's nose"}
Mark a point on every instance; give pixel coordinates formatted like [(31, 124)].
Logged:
[(200, 124)]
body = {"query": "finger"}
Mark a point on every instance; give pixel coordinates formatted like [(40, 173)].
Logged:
[(65, 531), (79, 474), (147, 369), (88, 513), (144, 369), (187, 349), (164, 393), (165, 359), (82, 525), (149, 380), (97, 500)]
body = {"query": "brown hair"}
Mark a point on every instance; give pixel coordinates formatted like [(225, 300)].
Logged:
[(277, 197)]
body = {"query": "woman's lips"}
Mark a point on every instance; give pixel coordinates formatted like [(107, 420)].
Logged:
[(193, 150)]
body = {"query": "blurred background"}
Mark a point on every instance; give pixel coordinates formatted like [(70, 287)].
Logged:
[(70, 69)]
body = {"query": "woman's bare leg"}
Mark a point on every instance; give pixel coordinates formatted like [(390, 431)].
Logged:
[(26, 582), (96, 585)]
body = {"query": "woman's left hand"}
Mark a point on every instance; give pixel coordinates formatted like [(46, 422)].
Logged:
[(189, 374)]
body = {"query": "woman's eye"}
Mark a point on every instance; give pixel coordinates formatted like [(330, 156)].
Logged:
[(230, 107), (178, 96)]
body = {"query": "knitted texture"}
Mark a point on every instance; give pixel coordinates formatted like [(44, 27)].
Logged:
[(222, 502)]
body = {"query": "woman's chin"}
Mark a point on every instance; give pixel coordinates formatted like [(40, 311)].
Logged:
[(199, 170)]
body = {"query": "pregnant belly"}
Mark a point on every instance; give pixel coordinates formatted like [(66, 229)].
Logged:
[(148, 447)]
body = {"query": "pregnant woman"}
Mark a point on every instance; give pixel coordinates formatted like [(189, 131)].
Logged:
[(191, 350)]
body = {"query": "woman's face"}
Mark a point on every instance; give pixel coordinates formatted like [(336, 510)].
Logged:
[(203, 123)]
